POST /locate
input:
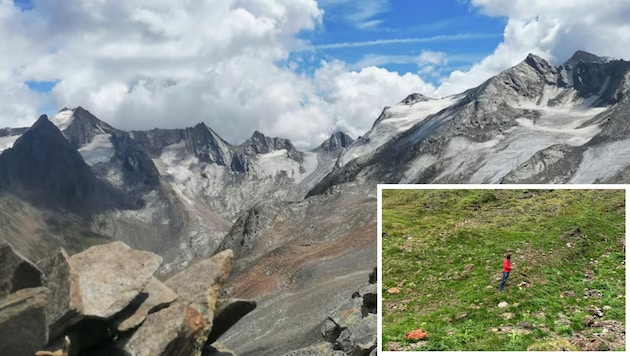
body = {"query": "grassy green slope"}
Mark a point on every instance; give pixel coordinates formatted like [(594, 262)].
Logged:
[(444, 250)]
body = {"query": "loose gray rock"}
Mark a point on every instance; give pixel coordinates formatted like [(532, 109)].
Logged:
[(200, 284), (111, 276), (16, 272), (346, 342), (323, 348), (503, 305), (65, 306), (23, 322), (159, 296), (183, 327), (170, 331), (364, 333)]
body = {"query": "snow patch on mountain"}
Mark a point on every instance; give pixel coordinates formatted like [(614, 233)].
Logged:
[(603, 162), (63, 119), (7, 142), (99, 150), (278, 162), (399, 119)]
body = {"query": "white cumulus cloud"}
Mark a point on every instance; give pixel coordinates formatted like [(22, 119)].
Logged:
[(552, 29)]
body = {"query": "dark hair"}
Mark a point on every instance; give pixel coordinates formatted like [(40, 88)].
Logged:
[(508, 256)]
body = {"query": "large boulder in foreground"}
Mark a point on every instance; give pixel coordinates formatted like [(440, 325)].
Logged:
[(23, 324), (159, 296), (183, 327), (65, 305), (16, 272), (111, 276)]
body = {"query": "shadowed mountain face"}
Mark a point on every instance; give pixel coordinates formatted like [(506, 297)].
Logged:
[(297, 218), (43, 167)]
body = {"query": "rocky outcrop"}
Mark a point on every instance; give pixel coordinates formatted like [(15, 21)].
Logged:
[(16, 272), (111, 276), (44, 168), (414, 98), (183, 328), (338, 141), (158, 296), (105, 301), (23, 321), (65, 302), (351, 329)]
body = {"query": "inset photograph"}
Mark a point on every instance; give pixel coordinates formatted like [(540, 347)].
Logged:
[(503, 269)]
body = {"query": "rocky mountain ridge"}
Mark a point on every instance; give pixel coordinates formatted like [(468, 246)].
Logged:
[(302, 224)]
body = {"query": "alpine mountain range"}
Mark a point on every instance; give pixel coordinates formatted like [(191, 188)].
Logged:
[(302, 224)]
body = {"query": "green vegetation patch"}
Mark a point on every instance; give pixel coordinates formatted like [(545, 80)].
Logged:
[(444, 250)]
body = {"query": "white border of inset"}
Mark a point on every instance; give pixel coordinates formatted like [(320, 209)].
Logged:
[(379, 229)]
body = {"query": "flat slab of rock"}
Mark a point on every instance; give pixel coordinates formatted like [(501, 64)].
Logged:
[(16, 272), (323, 348), (170, 331), (111, 276), (183, 327), (65, 306), (159, 296), (196, 279), (23, 324), (201, 283)]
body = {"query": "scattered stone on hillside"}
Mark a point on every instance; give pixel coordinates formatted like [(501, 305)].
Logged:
[(607, 307), (363, 334), (611, 337), (588, 320), (559, 344), (416, 335), (509, 329), (525, 325), (351, 329), (393, 290), (23, 322), (461, 316), (568, 294), (158, 296), (16, 272), (524, 284), (503, 304), (592, 293), (507, 316), (595, 311), (394, 346), (65, 305), (468, 268), (589, 275), (111, 276)]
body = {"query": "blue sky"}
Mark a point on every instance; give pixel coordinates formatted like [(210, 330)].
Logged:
[(392, 34)]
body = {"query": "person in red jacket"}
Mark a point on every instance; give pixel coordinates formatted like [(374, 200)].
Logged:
[(506, 270)]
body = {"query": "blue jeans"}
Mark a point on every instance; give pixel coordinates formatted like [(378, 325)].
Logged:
[(505, 277)]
